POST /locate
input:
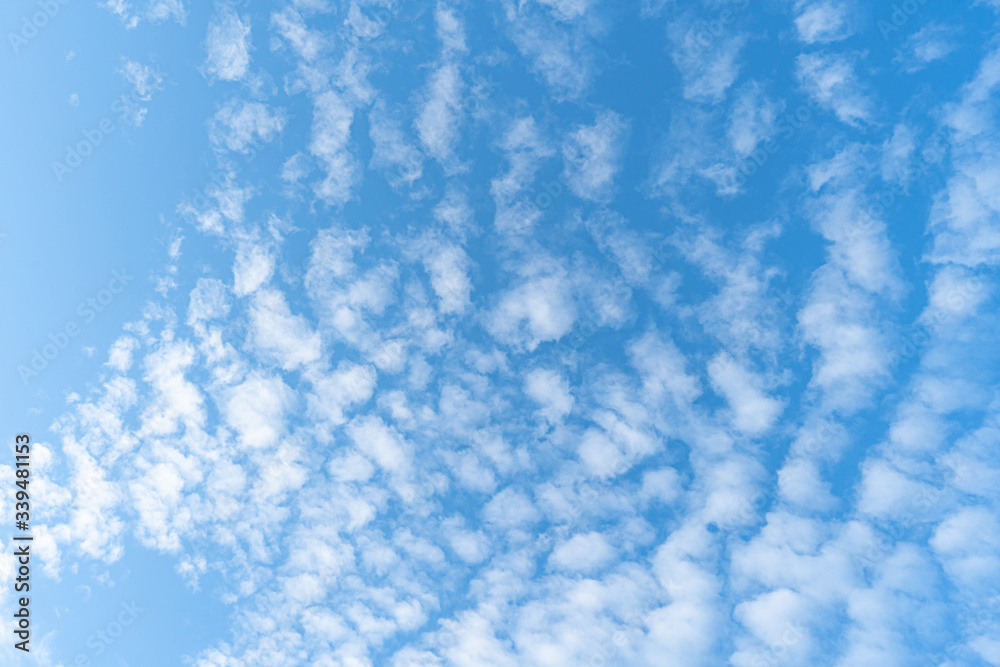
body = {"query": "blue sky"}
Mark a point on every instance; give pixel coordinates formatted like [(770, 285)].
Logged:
[(549, 332)]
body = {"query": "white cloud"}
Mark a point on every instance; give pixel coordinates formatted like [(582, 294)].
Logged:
[(824, 20), (775, 618), (308, 44), (539, 309), (471, 546), (252, 269), (510, 508), (209, 300), (753, 411), (931, 43), (455, 213), (450, 29), (350, 384), (897, 155), (955, 293), (859, 242), (831, 80), (592, 156), (889, 493), (145, 81), (257, 409), (526, 150), (178, 401), (800, 483), (281, 335), (239, 124), (228, 206), (120, 355), (93, 522), (569, 10), (663, 369), (157, 495), (699, 147), (331, 134), (439, 122), (400, 162), (752, 120), (854, 355), (964, 219), (448, 266), (663, 485), (228, 45), (560, 55), (386, 448), (707, 72), (988, 648), (155, 11), (746, 312), (551, 392), (586, 552), (968, 542)]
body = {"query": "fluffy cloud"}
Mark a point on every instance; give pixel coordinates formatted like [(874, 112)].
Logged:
[(228, 45)]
